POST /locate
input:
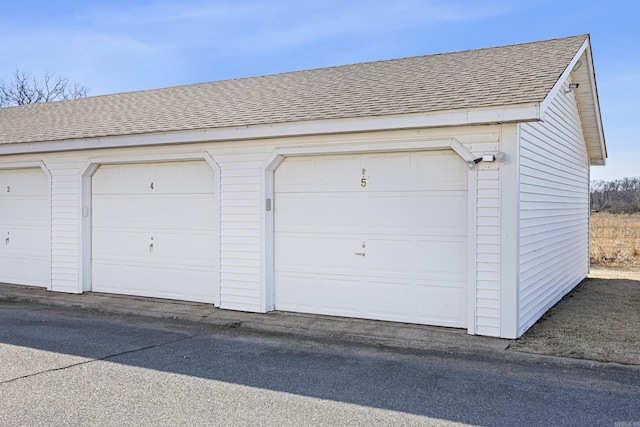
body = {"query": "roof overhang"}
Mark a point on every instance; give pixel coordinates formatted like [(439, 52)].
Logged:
[(463, 117), (581, 70)]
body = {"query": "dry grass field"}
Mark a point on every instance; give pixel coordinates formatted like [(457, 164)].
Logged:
[(615, 240)]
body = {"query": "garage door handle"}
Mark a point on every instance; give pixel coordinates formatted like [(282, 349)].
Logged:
[(360, 253)]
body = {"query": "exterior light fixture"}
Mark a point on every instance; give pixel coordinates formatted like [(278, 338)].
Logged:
[(572, 86), (500, 157)]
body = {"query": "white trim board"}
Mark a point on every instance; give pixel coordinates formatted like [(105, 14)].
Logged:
[(272, 162), (507, 114)]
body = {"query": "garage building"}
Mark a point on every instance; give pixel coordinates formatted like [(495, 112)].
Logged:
[(448, 190)]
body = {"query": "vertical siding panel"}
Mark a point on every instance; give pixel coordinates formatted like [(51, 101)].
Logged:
[(240, 252), (554, 209), (65, 223), (487, 295)]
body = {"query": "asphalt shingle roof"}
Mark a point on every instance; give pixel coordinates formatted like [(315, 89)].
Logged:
[(491, 77)]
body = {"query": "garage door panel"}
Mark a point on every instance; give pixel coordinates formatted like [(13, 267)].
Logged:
[(25, 211), (191, 248), (107, 180), (388, 213), (116, 210), (393, 249), (337, 255), (119, 180), (390, 257), (295, 213), (442, 172), (320, 212), (23, 269), (441, 305), (121, 244), (389, 172), (177, 211), (441, 214), (155, 240), (23, 182), (169, 210), (200, 213), (135, 179), (340, 173), (189, 284), (341, 296), (298, 253), (295, 176), (297, 293), (390, 301), (337, 213), (24, 242), (442, 259), (182, 178), (109, 276)]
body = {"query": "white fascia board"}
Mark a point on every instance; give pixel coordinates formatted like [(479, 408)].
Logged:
[(544, 105), (583, 55), (504, 114), (596, 103)]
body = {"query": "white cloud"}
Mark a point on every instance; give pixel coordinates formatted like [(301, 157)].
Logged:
[(115, 46)]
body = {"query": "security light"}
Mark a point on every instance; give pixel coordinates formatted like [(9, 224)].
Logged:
[(572, 86)]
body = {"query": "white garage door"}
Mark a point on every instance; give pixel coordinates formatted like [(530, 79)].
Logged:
[(377, 236), (24, 227), (153, 230)]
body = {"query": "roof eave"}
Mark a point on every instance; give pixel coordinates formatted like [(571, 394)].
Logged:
[(587, 99), (463, 117), (593, 92)]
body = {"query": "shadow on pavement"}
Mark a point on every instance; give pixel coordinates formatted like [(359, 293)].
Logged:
[(463, 389)]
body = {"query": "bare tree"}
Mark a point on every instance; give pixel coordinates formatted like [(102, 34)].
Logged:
[(27, 89), (618, 196)]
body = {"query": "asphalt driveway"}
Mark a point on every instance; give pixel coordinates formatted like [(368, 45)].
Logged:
[(73, 366)]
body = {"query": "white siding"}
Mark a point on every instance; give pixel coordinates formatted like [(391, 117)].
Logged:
[(554, 209), (242, 281), (487, 298), (65, 199), (240, 229)]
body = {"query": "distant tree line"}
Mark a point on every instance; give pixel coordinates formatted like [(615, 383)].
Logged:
[(621, 196)]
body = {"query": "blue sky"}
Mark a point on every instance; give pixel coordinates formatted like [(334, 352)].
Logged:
[(123, 45)]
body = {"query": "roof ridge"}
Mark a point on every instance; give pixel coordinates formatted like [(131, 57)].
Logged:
[(476, 78), (270, 75)]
